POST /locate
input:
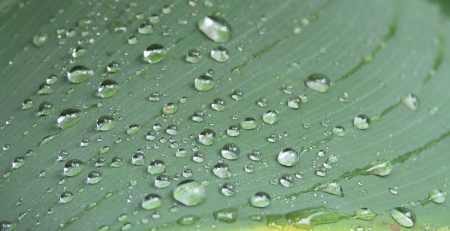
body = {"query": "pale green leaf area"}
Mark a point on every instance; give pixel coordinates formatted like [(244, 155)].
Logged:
[(388, 101)]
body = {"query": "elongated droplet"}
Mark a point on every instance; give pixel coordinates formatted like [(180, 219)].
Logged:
[(215, 28), (68, 117), (332, 188), (318, 82), (437, 196), (403, 216), (105, 123), (228, 215), (190, 193), (220, 54), (73, 167), (151, 201), (107, 89), (380, 168), (364, 214), (79, 74)]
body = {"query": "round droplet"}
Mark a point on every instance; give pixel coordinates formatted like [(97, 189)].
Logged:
[(318, 82), (138, 158), (286, 181), (270, 117), (260, 200), (162, 181), (40, 39), (220, 54), (262, 102), (207, 137), (79, 74), (237, 95), (65, 197), (233, 130), (94, 177), (222, 170), (403, 216), (215, 28), (437, 196), (204, 83), (339, 131), (190, 193), (227, 190), (361, 122), (45, 109), (151, 201), (155, 53), (218, 104), (68, 117), (288, 157), (294, 102), (73, 167), (411, 102), (193, 56), (248, 123), (230, 151), (156, 167), (198, 116), (104, 123)]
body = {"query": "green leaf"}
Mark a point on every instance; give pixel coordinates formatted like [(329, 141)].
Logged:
[(310, 114)]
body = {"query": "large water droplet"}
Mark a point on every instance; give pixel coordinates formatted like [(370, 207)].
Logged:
[(222, 170), (215, 28), (190, 193), (73, 167), (68, 117), (361, 122), (288, 157), (107, 89), (270, 117), (318, 82), (403, 216), (204, 83), (332, 188), (79, 74), (155, 53), (260, 200), (151, 201), (437, 196)]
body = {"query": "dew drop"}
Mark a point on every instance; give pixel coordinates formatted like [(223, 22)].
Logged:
[(361, 122), (145, 28), (437, 196), (104, 123), (107, 89), (94, 177), (68, 117), (364, 214), (260, 200), (288, 157), (230, 151), (248, 123), (339, 131), (294, 102), (204, 83), (156, 167), (318, 82), (215, 28), (270, 117), (169, 109), (27, 104), (155, 53), (411, 102), (233, 130), (220, 54), (332, 188), (207, 137), (65, 197), (403, 216), (228, 215), (218, 104), (151, 201), (380, 168), (222, 170), (73, 167), (40, 39), (18, 162), (45, 109), (190, 193), (193, 56), (79, 74), (133, 129), (227, 190)]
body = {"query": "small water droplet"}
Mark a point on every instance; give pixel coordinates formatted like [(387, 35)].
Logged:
[(94, 177), (204, 83), (294, 102), (133, 129), (380, 168), (220, 54), (339, 131), (73, 167), (107, 89), (145, 28), (68, 117), (248, 123), (222, 170), (79, 74), (437, 196), (228, 215), (332, 188), (411, 102), (104, 123), (18, 162), (39, 39), (233, 130), (207, 137), (155, 53), (65, 197), (193, 56), (156, 167), (318, 82), (218, 104), (215, 28), (361, 122), (227, 190), (270, 117), (260, 200), (230, 151), (113, 67), (364, 214)]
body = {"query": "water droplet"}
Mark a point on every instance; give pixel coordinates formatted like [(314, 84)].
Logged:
[(233, 130), (403, 216), (270, 117), (45, 109), (113, 67), (318, 82), (68, 117), (215, 28), (437, 196), (137, 158), (78, 52), (104, 123), (218, 104), (18, 162), (151, 201), (332, 188), (169, 109), (193, 56), (45, 89), (198, 116), (107, 89), (380, 168), (294, 102), (227, 190), (162, 181), (248, 123), (190, 193), (145, 28), (79, 74), (204, 83), (133, 129), (117, 162), (73, 167), (339, 131), (361, 122), (364, 214), (411, 101), (65, 197), (40, 39), (155, 53), (94, 177), (260, 200), (286, 181), (188, 220), (156, 167), (220, 54), (230, 151), (228, 215), (262, 102), (288, 157), (207, 137), (222, 170)]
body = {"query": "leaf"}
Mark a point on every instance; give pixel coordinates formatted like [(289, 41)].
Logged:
[(378, 134)]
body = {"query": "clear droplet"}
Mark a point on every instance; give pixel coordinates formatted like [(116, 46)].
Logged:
[(227, 190), (65, 197), (220, 54), (133, 129), (215, 28), (207, 137), (294, 102), (364, 214), (18, 162), (107, 89), (233, 130), (137, 158), (361, 122), (79, 74), (151, 201), (286, 181), (228, 215), (73, 167), (318, 82), (45, 89), (288, 157), (78, 52), (230, 151), (270, 117), (40, 39), (403, 216), (68, 117), (339, 131), (104, 123), (218, 104), (156, 167), (380, 168), (260, 200), (162, 181), (145, 28), (204, 83), (155, 53), (94, 177), (222, 170), (27, 104), (45, 109), (190, 193), (169, 109), (262, 102), (193, 56), (411, 102), (248, 123), (113, 67), (332, 188), (437, 196)]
